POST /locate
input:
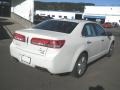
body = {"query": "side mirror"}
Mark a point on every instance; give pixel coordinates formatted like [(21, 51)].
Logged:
[(108, 33)]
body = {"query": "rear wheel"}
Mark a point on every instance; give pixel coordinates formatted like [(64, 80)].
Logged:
[(80, 66)]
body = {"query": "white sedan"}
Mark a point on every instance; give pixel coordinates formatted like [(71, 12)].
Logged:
[(61, 46)]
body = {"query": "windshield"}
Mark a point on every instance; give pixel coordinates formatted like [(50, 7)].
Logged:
[(57, 26)]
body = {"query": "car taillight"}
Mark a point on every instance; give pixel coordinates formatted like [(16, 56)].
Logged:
[(19, 37), (48, 43)]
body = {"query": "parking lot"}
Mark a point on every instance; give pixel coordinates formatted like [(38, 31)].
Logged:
[(101, 75)]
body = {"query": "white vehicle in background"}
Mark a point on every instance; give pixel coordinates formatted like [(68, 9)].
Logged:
[(61, 46)]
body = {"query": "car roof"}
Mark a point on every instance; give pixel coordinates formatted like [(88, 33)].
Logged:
[(73, 20)]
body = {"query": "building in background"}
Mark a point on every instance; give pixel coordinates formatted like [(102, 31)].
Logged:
[(24, 12), (23, 8), (59, 14), (41, 15), (102, 14)]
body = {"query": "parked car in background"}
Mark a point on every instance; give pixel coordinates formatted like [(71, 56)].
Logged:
[(115, 24), (38, 18), (61, 46), (107, 25)]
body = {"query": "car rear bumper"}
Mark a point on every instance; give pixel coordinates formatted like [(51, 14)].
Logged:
[(54, 65)]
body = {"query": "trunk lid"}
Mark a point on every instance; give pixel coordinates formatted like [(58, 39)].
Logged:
[(39, 34)]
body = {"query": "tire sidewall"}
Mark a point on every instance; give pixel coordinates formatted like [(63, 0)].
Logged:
[(109, 52), (75, 70)]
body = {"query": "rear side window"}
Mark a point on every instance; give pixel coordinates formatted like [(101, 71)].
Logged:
[(57, 26)]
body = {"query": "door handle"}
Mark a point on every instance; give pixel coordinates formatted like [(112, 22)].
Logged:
[(89, 42)]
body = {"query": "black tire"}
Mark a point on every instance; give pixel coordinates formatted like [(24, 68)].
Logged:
[(80, 66), (111, 50)]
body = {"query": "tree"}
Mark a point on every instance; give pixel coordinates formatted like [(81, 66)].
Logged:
[(64, 6)]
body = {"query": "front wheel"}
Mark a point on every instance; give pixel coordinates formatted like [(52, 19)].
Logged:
[(80, 66), (111, 49)]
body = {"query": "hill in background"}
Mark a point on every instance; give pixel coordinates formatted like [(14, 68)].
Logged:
[(61, 6)]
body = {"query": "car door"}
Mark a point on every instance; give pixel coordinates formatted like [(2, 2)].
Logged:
[(104, 38), (93, 42)]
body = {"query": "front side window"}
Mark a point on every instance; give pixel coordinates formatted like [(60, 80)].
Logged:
[(99, 30), (57, 26), (88, 30)]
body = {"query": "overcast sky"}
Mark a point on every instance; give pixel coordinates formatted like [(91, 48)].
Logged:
[(97, 2)]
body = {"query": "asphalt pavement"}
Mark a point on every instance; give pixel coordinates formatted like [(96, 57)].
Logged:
[(104, 74)]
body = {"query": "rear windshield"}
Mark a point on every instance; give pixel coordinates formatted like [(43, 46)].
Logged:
[(57, 26)]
